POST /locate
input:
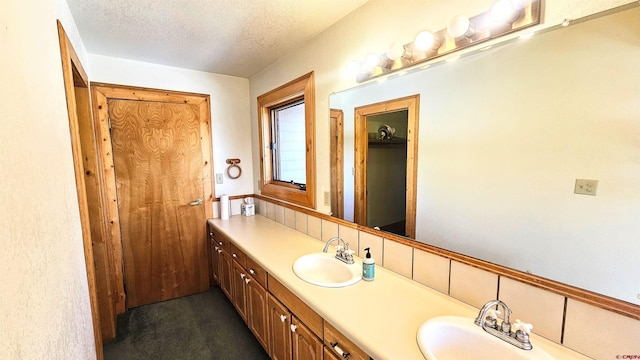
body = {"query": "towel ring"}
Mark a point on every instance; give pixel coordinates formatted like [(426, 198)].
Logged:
[(233, 163)]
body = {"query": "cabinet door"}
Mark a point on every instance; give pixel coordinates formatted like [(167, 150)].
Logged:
[(305, 345), (328, 354), (225, 273), (257, 311), (215, 263), (279, 330), (238, 289), (210, 251)]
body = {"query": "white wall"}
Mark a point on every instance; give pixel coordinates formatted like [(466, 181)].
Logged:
[(229, 108), (448, 190), (44, 306)]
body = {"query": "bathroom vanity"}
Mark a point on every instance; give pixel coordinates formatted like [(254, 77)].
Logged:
[(252, 259)]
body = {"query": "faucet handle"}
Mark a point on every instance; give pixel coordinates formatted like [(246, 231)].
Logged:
[(522, 326), (349, 254), (491, 318), (339, 248), (493, 314)]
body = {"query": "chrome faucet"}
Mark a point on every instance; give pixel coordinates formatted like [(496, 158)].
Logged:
[(487, 320), (342, 251)]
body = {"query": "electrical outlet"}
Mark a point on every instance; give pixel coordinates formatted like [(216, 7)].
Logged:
[(219, 178), (586, 187), (327, 198)]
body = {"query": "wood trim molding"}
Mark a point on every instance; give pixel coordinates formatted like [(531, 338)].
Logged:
[(337, 162), (598, 300), (303, 86), (73, 74)]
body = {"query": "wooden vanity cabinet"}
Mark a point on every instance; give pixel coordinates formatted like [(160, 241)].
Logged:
[(246, 290), (238, 286), (290, 339), (221, 265), (257, 302), (238, 280), (305, 345), (213, 260), (283, 324), (279, 330), (225, 267), (327, 354)]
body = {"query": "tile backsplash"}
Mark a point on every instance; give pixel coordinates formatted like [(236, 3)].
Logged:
[(592, 331)]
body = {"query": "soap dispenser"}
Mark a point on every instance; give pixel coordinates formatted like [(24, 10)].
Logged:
[(368, 267)]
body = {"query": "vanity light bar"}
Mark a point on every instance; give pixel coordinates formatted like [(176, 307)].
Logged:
[(504, 17)]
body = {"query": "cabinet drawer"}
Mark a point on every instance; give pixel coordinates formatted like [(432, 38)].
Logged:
[(334, 340), (237, 255), (257, 272), (301, 310), (220, 240)]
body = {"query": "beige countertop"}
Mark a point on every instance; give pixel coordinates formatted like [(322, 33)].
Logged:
[(382, 316)]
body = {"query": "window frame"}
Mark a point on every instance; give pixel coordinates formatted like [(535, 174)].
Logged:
[(300, 88)]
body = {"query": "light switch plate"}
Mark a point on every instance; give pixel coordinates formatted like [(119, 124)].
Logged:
[(586, 187), (219, 178)]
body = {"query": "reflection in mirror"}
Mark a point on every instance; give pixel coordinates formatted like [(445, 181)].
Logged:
[(385, 165), (504, 134), (386, 171)]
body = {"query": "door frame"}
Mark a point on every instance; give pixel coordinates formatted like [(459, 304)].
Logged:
[(412, 105), (336, 134), (101, 93), (76, 79)]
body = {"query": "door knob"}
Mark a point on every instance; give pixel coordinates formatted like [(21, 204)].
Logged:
[(196, 202)]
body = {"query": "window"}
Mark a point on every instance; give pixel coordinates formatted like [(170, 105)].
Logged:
[(288, 146), (286, 119)]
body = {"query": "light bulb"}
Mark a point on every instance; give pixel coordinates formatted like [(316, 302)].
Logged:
[(459, 26), (373, 60), (395, 52), (425, 40), (504, 11)]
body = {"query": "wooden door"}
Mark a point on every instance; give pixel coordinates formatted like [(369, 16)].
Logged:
[(238, 289), (328, 355), (158, 167), (224, 275), (280, 330), (306, 345), (257, 311)]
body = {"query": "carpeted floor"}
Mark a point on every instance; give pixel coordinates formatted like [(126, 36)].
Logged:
[(197, 327)]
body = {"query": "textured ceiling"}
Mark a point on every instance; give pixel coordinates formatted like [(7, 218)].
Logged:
[(232, 37)]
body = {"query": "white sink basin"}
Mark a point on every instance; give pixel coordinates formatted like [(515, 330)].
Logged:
[(325, 270), (455, 337)]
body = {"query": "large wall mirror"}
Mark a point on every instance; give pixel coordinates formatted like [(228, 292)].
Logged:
[(503, 135)]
